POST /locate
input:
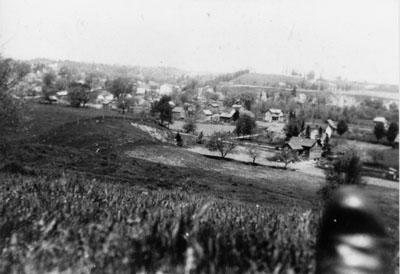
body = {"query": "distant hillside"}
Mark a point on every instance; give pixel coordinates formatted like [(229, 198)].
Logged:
[(159, 74), (258, 79)]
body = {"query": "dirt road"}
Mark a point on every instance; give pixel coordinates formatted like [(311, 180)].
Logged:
[(306, 167)]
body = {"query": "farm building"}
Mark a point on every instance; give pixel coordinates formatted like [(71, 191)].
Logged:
[(236, 106), (227, 117), (305, 147), (207, 113), (274, 115), (178, 113), (214, 107), (381, 120)]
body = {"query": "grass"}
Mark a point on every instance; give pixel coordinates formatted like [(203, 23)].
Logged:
[(131, 204), (74, 225)]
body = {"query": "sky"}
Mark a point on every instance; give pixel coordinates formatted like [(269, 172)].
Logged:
[(353, 39)]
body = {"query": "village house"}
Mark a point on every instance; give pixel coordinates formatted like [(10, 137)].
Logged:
[(142, 89), (307, 148), (274, 115), (227, 117), (207, 114), (331, 128), (214, 107), (178, 113), (381, 120), (236, 107)]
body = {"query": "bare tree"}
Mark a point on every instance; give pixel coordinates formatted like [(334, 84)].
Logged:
[(222, 142), (254, 153)]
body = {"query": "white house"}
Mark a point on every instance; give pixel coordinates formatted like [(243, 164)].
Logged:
[(274, 115), (381, 120), (331, 128)]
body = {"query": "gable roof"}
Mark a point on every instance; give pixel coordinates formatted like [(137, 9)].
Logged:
[(215, 105), (297, 143), (332, 123), (380, 120), (227, 115), (275, 111), (207, 112)]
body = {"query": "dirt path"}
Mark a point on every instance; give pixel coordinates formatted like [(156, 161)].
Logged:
[(305, 167)]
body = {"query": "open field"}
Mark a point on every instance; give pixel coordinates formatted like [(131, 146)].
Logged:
[(131, 203)]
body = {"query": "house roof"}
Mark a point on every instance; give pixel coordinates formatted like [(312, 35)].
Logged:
[(227, 115), (397, 139), (380, 120), (237, 106), (62, 93), (298, 143), (275, 111), (207, 112), (214, 105), (332, 123)]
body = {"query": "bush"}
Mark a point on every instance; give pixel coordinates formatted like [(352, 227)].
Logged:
[(344, 171), (189, 126)]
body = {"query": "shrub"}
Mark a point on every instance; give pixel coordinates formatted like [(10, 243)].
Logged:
[(344, 171), (189, 126)]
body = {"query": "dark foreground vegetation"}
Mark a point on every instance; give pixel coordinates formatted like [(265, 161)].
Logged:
[(76, 225)]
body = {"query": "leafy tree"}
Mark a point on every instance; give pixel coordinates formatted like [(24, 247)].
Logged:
[(78, 94), (48, 86), (61, 84), (344, 171), (120, 87), (162, 109), (11, 108), (236, 116), (253, 152), (246, 124), (178, 138), (311, 75), (247, 99), (210, 96), (124, 102), (379, 130), (342, 127), (392, 131), (222, 142), (308, 132)]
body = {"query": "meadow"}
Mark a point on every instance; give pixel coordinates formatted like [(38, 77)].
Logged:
[(102, 196)]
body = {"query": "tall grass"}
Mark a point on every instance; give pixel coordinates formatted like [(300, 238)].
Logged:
[(73, 225)]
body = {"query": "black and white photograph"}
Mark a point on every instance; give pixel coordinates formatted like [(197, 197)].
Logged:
[(199, 136)]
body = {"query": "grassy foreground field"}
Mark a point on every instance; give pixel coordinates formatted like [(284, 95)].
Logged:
[(131, 204), (73, 225)]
